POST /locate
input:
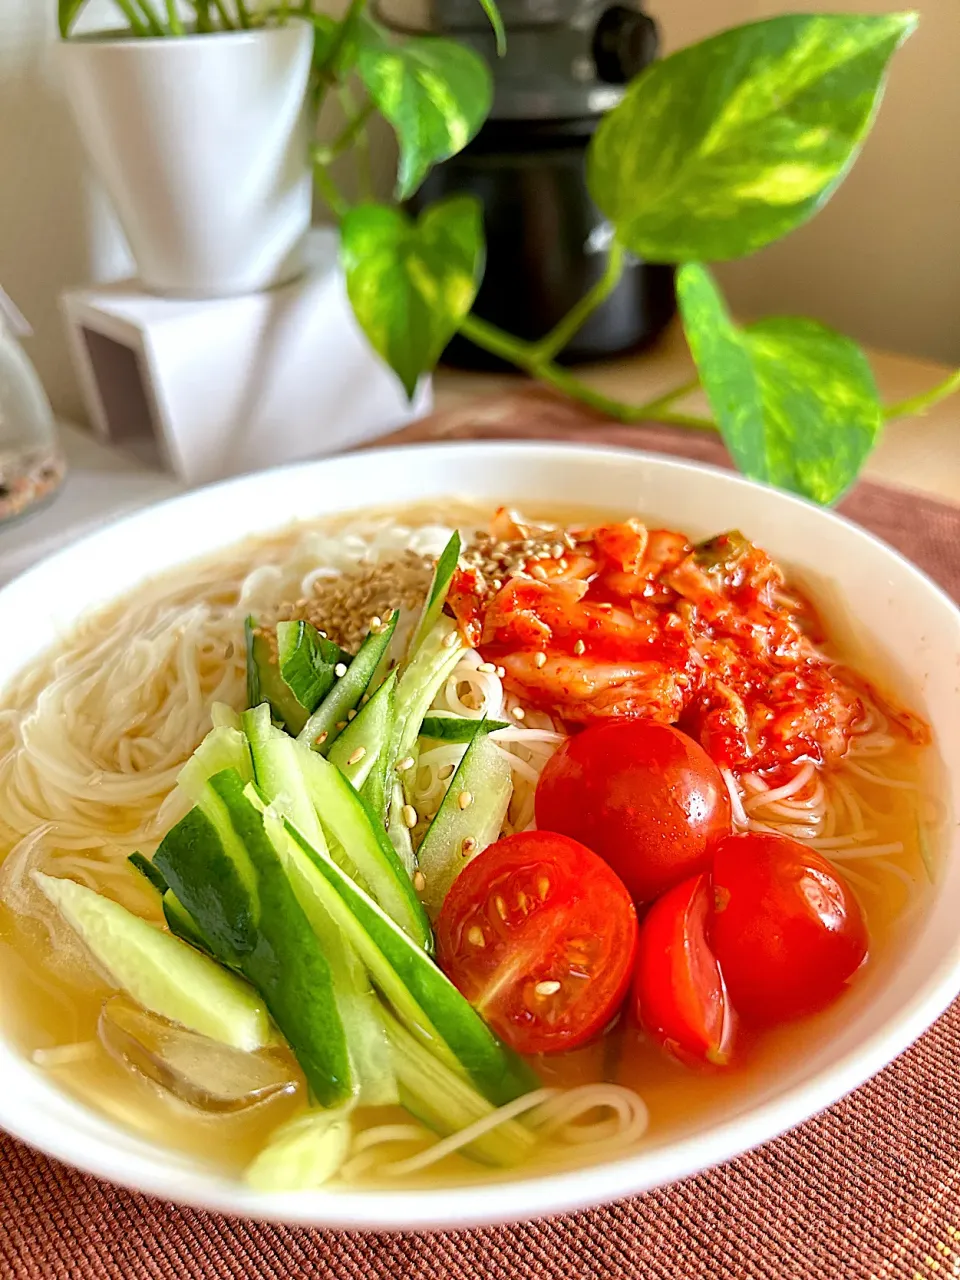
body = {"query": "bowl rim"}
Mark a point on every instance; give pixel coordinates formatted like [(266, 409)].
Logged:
[(506, 1199)]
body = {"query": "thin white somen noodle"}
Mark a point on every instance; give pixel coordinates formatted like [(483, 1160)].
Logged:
[(558, 1119)]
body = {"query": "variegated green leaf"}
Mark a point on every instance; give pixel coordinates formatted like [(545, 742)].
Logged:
[(435, 93), (411, 283), (796, 402), (733, 142)]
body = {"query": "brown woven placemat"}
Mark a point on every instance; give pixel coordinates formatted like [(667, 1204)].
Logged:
[(866, 1191)]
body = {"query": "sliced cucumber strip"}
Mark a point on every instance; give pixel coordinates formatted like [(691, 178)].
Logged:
[(303, 1154), (470, 817), (148, 871), (446, 727), (227, 874), (333, 714), (447, 1103), (359, 751), (222, 748), (308, 662), (265, 684), (348, 819), (181, 923), (160, 972), (422, 996), (277, 768), (437, 595)]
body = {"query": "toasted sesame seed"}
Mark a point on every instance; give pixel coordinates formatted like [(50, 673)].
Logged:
[(419, 881), (475, 935), (409, 814), (556, 550), (406, 763), (356, 756), (376, 623), (465, 799), (539, 572), (541, 659), (467, 845), (321, 738), (488, 666), (518, 713), (453, 638), (498, 584), (340, 669), (547, 988), (501, 672), (579, 647)]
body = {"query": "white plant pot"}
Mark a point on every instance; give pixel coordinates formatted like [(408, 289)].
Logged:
[(202, 144)]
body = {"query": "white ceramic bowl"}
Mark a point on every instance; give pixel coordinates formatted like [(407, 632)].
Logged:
[(889, 610)]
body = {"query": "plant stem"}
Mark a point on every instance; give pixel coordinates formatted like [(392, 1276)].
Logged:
[(202, 8), (525, 355), (154, 25), (573, 321), (331, 193), (243, 14), (226, 22), (137, 25), (323, 72), (174, 25), (364, 167), (923, 401), (350, 133)]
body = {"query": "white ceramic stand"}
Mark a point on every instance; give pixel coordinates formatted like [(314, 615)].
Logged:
[(219, 387)]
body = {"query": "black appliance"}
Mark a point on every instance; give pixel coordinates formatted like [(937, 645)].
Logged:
[(566, 64)]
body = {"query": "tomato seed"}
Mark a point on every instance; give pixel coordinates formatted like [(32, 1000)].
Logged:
[(475, 935)]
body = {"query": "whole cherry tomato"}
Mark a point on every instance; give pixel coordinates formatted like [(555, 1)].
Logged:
[(787, 930), (643, 795)]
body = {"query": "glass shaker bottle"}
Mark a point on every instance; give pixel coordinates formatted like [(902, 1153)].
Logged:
[(31, 463)]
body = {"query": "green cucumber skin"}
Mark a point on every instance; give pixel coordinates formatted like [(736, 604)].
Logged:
[(496, 1071), (262, 932), (370, 730), (276, 764), (437, 594), (348, 816), (458, 728), (347, 692), (307, 662), (182, 925), (149, 872), (265, 684), (446, 1103)]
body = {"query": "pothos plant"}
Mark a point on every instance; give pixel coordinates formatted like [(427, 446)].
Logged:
[(713, 153)]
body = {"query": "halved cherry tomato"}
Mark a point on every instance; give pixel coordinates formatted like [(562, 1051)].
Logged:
[(787, 931), (540, 936), (679, 997), (645, 796)]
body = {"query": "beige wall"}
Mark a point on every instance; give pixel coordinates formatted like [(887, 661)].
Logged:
[(882, 260)]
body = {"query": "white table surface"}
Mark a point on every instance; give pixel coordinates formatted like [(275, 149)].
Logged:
[(102, 483)]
